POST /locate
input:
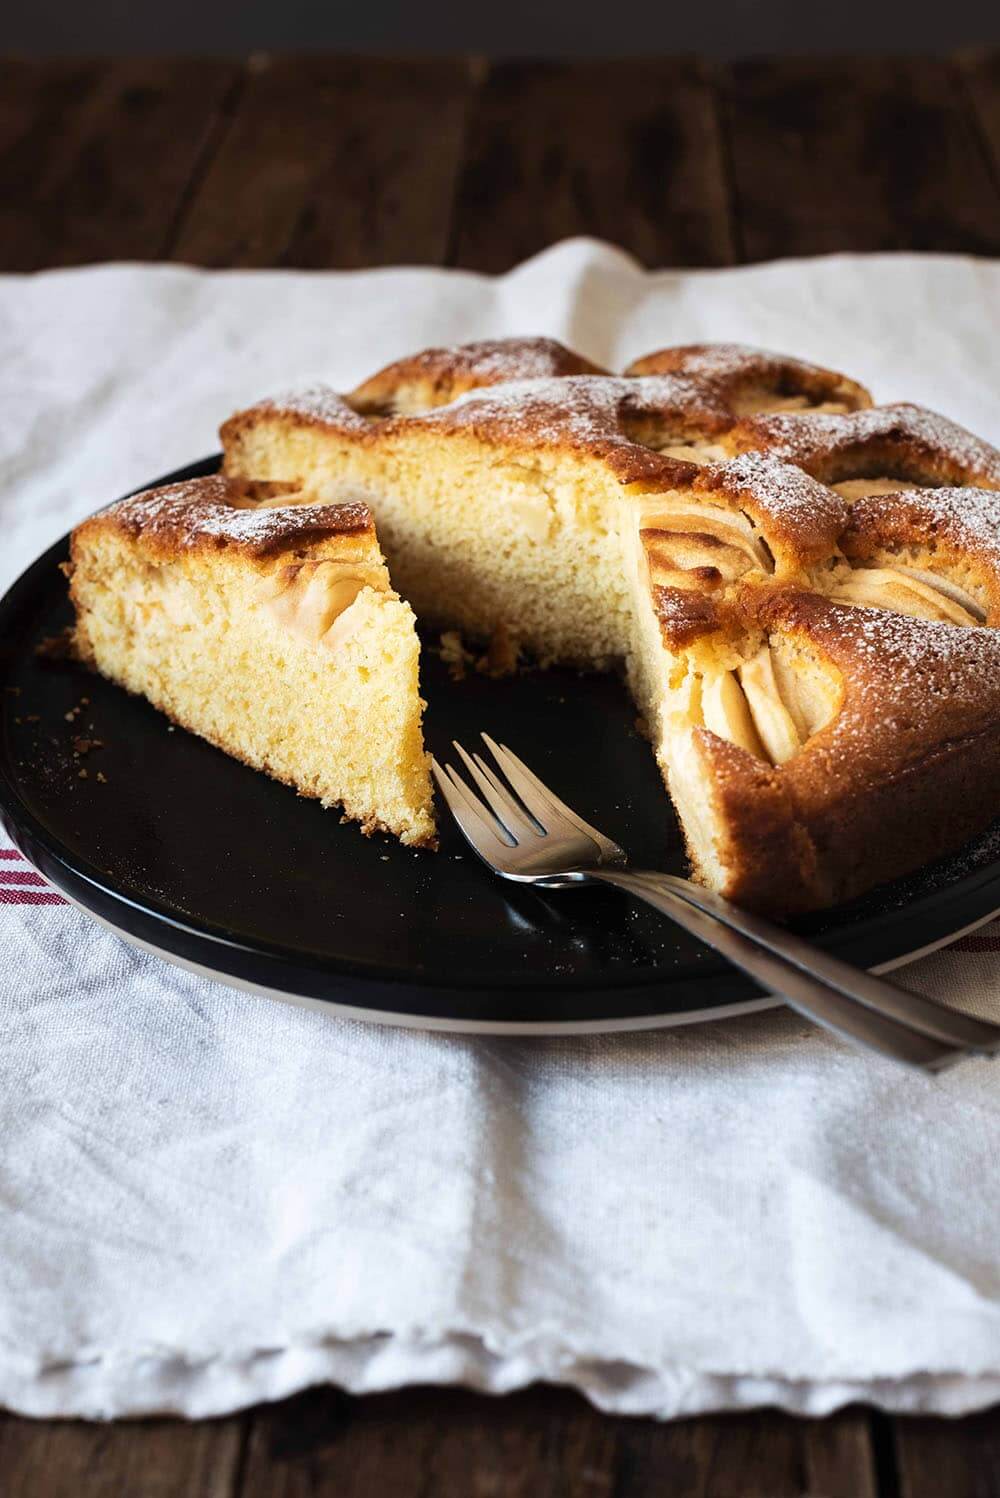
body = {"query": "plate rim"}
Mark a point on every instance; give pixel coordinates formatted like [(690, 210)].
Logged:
[(537, 1029), (960, 906)]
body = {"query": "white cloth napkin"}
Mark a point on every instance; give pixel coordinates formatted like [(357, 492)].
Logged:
[(210, 1199)]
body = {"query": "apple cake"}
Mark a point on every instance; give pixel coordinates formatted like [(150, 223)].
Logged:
[(803, 589), (271, 629)]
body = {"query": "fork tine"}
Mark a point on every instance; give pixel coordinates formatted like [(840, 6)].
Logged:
[(499, 798), (477, 824), (491, 775), (539, 799)]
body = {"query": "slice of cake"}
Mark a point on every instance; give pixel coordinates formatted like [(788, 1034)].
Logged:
[(270, 629)]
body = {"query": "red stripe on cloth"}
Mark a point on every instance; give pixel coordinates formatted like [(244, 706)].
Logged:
[(21, 876), (30, 897), (10, 853), (985, 939)]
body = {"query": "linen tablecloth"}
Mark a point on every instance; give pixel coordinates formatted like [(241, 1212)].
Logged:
[(208, 1198)]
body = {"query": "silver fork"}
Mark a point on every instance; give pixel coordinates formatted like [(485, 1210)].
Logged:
[(523, 831)]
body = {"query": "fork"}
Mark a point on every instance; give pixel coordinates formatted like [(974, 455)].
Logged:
[(523, 831)]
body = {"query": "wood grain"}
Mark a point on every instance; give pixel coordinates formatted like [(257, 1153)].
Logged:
[(95, 158), (981, 74), (629, 152), (333, 162), (137, 1459), (857, 154), (541, 1443), (949, 1458)]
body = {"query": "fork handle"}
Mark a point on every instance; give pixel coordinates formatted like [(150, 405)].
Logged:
[(913, 1009), (805, 989)]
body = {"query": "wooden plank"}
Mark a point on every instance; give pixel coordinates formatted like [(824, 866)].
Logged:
[(154, 1458), (333, 162), (95, 158), (450, 1443), (981, 72), (762, 1454), (856, 154), (839, 1455), (949, 1458), (626, 151)]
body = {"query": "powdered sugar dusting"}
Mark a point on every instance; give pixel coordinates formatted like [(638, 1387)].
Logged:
[(213, 509), (729, 363), (316, 403), (583, 409), (947, 659), (499, 360), (913, 684), (809, 437), (969, 518), (781, 489)]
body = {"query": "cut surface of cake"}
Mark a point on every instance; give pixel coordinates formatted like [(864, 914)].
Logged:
[(272, 630), (800, 587), (502, 507)]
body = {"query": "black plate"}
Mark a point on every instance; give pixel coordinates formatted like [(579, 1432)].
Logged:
[(187, 851)]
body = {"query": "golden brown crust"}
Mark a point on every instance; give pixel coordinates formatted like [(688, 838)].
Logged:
[(742, 376), (625, 421), (799, 518), (757, 815), (614, 420), (610, 419), (946, 530), (952, 534), (438, 376), (317, 406), (215, 514), (903, 442), (684, 615), (896, 777)]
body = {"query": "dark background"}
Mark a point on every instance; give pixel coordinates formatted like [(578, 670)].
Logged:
[(582, 28)]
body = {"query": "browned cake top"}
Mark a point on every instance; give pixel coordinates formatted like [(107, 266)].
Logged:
[(534, 394), (966, 521), (617, 420), (684, 615), (950, 536), (621, 421), (735, 370), (900, 441), (219, 514), (679, 404), (438, 376), (795, 512), (422, 382), (312, 405), (909, 684), (905, 765)]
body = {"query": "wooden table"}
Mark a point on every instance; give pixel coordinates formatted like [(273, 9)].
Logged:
[(328, 162)]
